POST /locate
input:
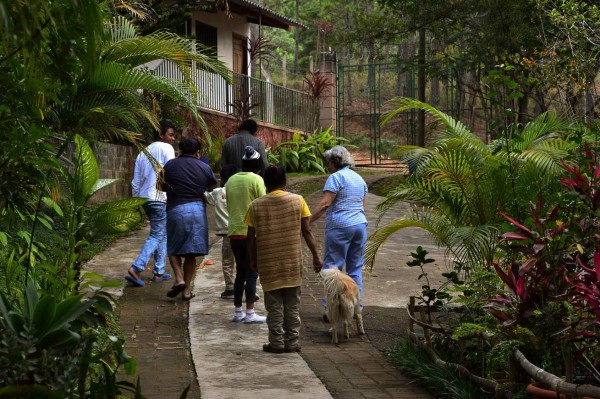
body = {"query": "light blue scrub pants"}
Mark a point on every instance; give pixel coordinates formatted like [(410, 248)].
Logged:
[(346, 246)]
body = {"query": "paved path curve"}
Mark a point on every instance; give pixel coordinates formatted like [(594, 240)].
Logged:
[(221, 359)]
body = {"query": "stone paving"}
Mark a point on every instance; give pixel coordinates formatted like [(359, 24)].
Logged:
[(221, 359)]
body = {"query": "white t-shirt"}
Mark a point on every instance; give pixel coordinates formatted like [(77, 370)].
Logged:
[(218, 198), (144, 173)]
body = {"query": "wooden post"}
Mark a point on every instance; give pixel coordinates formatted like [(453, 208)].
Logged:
[(283, 71)]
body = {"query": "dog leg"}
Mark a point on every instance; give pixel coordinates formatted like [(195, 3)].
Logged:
[(334, 337), (359, 321), (346, 330)]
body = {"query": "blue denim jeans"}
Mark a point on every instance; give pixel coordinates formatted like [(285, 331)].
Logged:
[(346, 247), (156, 243)]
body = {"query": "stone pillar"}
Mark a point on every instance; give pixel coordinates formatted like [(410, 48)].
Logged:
[(328, 107)]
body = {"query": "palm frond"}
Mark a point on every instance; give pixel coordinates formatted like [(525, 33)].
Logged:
[(474, 244), (119, 29), (116, 77), (377, 239), (452, 126)]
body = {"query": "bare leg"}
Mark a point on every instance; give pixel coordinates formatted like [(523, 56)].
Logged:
[(189, 270), (176, 265)]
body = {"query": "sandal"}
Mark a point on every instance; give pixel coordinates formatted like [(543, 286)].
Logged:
[(176, 290), (159, 278), (132, 277), (187, 298)]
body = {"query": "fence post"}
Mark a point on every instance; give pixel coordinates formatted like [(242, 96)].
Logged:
[(328, 105)]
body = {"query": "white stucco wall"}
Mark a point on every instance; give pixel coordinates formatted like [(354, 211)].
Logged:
[(226, 28)]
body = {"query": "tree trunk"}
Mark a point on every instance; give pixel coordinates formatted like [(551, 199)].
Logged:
[(421, 88), (296, 38)]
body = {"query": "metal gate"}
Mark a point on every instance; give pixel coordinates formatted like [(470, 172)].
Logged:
[(364, 90), (361, 91)]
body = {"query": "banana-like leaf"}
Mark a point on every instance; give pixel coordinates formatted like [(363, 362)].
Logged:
[(117, 222), (121, 205), (100, 184), (86, 167)]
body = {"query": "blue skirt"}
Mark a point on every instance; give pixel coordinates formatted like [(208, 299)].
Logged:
[(187, 229)]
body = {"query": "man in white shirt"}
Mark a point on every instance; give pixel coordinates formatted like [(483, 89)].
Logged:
[(144, 185)]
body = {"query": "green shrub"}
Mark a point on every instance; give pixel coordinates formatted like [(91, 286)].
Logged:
[(444, 382), (305, 152)]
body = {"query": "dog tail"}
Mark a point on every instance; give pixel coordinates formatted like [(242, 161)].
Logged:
[(344, 309)]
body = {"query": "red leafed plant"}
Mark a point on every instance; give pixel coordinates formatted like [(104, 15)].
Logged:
[(552, 269), (317, 84)]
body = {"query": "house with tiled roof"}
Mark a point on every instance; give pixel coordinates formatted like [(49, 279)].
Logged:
[(224, 27)]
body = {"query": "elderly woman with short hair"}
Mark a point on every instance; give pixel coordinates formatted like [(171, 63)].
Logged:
[(345, 221)]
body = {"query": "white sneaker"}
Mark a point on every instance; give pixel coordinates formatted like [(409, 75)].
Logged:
[(255, 319), (238, 316)]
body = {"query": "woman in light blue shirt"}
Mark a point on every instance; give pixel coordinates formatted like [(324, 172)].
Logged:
[(343, 202)]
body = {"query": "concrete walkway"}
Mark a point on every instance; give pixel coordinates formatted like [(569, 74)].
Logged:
[(220, 359)]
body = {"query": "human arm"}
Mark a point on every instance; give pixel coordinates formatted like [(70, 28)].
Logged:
[(311, 242), (251, 239), (212, 187), (263, 155), (326, 201)]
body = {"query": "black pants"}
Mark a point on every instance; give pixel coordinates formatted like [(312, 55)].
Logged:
[(245, 277)]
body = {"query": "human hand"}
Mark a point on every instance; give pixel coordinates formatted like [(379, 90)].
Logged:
[(317, 265)]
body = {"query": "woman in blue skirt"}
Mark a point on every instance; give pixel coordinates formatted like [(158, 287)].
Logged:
[(185, 179)]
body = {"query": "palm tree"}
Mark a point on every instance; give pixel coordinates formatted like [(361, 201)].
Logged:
[(460, 184), (75, 69)]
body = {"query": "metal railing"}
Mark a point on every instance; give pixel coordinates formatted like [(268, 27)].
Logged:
[(268, 102)]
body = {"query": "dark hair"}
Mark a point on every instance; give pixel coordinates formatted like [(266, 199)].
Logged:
[(164, 126), (227, 171), (249, 125), (189, 146), (252, 165), (274, 177)]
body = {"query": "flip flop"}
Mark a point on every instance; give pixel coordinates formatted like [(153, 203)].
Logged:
[(164, 277), (135, 281), (176, 290), (187, 298)]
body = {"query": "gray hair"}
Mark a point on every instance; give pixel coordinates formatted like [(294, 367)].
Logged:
[(339, 156)]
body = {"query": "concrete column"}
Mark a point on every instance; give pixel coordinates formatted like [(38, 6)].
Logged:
[(328, 107)]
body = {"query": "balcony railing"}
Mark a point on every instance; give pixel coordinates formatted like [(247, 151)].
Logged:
[(268, 102)]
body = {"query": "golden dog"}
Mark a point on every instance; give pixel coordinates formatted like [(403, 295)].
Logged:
[(343, 302)]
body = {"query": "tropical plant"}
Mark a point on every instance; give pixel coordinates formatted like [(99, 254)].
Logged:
[(317, 85), (444, 381), (51, 348), (80, 181), (305, 152), (430, 296), (241, 107), (460, 185)]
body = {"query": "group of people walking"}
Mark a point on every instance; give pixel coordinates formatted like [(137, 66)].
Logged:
[(262, 225)]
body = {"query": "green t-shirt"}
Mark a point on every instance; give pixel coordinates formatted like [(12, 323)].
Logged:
[(242, 188)]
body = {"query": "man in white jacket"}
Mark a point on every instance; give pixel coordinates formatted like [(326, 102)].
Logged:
[(144, 185)]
